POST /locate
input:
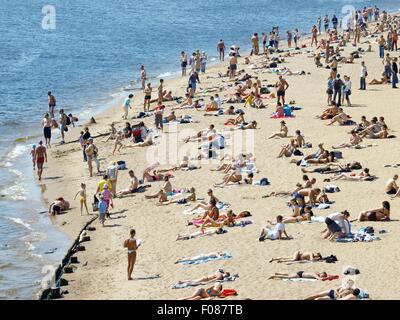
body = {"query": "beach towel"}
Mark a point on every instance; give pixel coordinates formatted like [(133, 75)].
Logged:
[(220, 206), (300, 280), (362, 235), (331, 189), (323, 206), (262, 182), (207, 259), (242, 223), (228, 292), (274, 116)]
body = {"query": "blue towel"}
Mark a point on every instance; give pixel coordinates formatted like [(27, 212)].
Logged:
[(204, 260)]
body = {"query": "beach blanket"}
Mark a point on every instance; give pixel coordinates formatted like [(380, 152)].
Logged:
[(361, 236), (186, 285), (220, 205), (323, 206), (249, 168), (331, 189), (207, 259), (274, 116)]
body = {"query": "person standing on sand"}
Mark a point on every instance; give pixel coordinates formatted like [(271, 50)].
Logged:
[(327, 51), (255, 45), (232, 66), (363, 76), (112, 173), (132, 244), (203, 61), (91, 155), (52, 103), (382, 43), (143, 77), (126, 106), (221, 50), (47, 124), (193, 79), (319, 21), (160, 91), (395, 71), (40, 157), (184, 62), (314, 36), (147, 97), (337, 90), (289, 37), (326, 23), (158, 117), (63, 125), (83, 197), (334, 22), (264, 41), (281, 87)]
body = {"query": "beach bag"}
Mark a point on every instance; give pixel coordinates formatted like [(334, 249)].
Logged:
[(273, 65), (338, 154), (331, 259), (121, 165), (264, 182), (308, 145), (238, 111), (264, 90), (297, 152)]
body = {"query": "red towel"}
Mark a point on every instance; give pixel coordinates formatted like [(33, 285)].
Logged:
[(227, 293)]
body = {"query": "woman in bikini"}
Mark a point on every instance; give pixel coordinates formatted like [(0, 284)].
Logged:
[(208, 293), (326, 157), (234, 177), (217, 276), (238, 120), (282, 133), (299, 256), (362, 176), (299, 275), (287, 150), (379, 214), (132, 245), (355, 140), (304, 214)]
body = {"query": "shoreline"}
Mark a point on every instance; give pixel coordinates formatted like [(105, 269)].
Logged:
[(102, 119)]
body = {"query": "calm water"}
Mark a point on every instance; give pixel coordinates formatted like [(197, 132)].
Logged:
[(95, 50)]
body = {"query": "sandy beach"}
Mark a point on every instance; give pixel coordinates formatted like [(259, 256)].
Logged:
[(101, 273)]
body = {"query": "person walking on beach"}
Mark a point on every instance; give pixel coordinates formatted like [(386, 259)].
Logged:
[(143, 77), (233, 66), (203, 62), (83, 197), (255, 45), (264, 42), (319, 21), (347, 89), (47, 124), (334, 22), (126, 106), (52, 103), (363, 76), (281, 87), (132, 244), (326, 23), (91, 155), (221, 50), (158, 116), (147, 97), (184, 62), (337, 90), (314, 36), (395, 71), (160, 91), (296, 37), (63, 125), (112, 173), (193, 80), (382, 43), (289, 37), (40, 158)]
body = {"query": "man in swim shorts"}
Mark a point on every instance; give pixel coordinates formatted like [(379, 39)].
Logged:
[(281, 87), (40, 157)]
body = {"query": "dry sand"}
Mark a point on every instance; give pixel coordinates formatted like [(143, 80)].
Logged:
[(104, 276)]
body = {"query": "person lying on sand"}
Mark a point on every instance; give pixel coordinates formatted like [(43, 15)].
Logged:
[(379, 214), (299, 256), (199, 233), (330, 112), (219, 275), (183, 165), (384, 80), (362, 176), (238, 120), (301, 214), (211, 255), (282, 133), (247, 126), (336, 294), (201, 135), (355, 140), (307, 184), (334, 168), (340, 118), (299, 275), (208, 293), (274, 231), (325, 158), (146, 143)]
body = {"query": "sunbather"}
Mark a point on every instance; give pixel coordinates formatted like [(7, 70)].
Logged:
[(362, 176), (208, 293), (299, 275), (274, 231), (379, 214), (282, 133), (199, 233), (355, 140), (336, 294), (299, 256), (217, 276)]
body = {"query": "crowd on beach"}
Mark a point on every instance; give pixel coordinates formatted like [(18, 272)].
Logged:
[(237, 90)]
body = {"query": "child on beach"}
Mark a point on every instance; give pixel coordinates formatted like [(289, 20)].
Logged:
[(33, 156), (103, 207), (83, 197), (118, 142), (107, 197)]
